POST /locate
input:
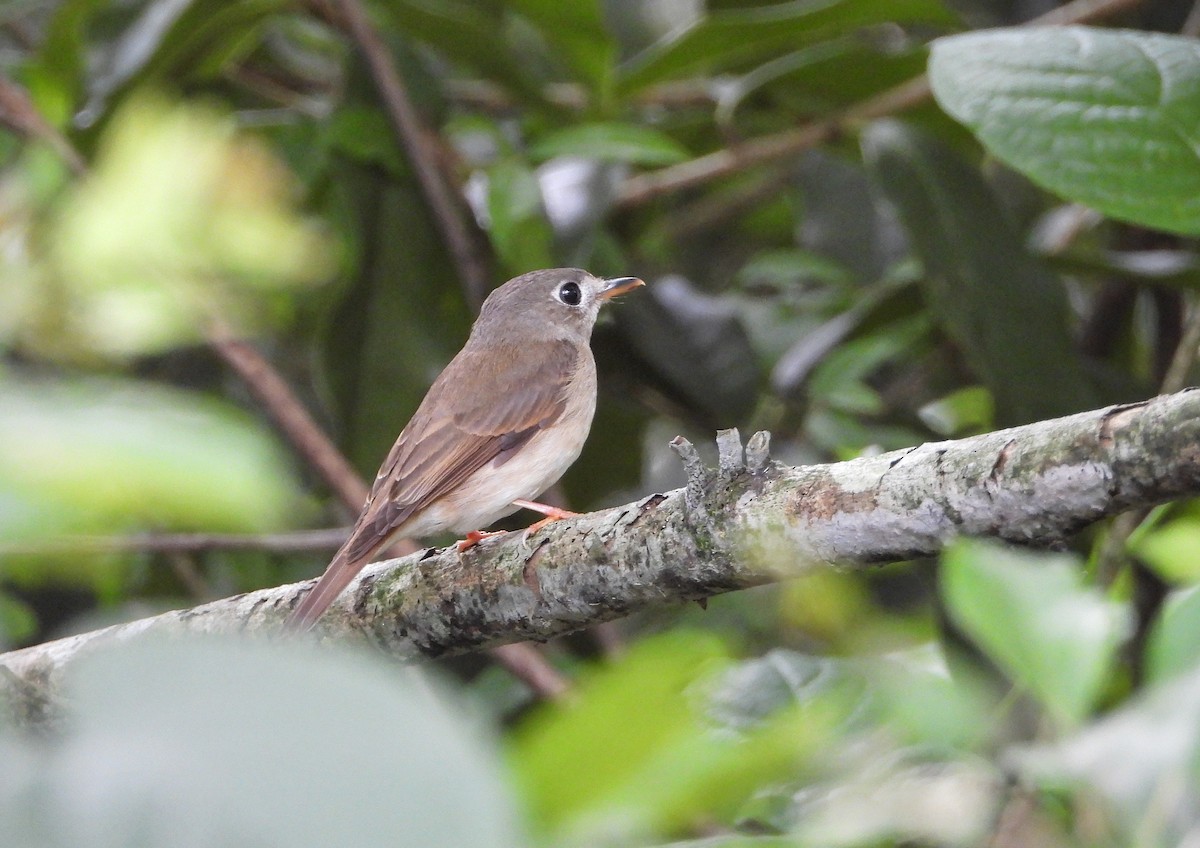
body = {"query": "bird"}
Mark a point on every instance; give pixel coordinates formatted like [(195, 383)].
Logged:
[(500, 425)]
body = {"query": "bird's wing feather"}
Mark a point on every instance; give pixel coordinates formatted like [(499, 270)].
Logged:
[(452, 435), (456, 433)]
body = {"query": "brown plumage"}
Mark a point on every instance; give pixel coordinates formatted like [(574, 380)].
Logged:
[(502, 422)]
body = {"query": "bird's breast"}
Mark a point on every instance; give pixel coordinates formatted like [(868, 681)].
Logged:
[(487, 495)]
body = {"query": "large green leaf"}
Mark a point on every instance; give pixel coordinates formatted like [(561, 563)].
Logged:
[(202, 742), (1108, 119), (117, 453), (1031, 614), (656, 761), (736, 38), (1006, 311)]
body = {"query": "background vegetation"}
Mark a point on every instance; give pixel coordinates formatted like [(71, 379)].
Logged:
[(835, 251)]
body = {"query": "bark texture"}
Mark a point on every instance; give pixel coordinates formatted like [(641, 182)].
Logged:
[(747, 522)]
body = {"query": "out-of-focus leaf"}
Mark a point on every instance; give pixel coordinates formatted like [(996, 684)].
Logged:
[(1031, 614), (896, 802), (839, 378), (633, 143), (735, 842), (1142, 758), (964, 412), (1174, 645), (56, 75), (469, 33), (728, 38), (184, 38), (17, 621), (578, 35), (754, 690), (792, 267), (363, 134), (112, 454), (181, 219), (223, 743), (657, 760), (1170, 550), (697, 346), (621, 719), (1102, 117), (832, 75), (917, 701), (1005, 310), (516, 219)]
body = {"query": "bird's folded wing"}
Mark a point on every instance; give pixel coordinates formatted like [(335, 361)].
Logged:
[(481, 409)]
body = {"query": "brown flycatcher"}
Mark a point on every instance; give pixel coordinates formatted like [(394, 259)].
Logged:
[(499, 425)]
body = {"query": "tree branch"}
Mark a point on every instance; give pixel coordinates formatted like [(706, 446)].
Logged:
[(749, 522)]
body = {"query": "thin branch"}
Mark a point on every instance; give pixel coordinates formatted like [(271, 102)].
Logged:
[(298, 426), (18, 113), (643, 188), (297, 541), (748, 523), (446, 206)]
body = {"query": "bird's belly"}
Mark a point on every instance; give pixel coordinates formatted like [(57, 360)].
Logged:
[(489, 493)]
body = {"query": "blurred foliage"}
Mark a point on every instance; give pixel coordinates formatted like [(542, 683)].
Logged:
[(925, 276)]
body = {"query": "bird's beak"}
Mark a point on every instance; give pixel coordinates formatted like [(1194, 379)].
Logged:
[(619, 285)]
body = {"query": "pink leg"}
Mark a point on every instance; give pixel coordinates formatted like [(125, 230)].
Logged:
[(552, 513), (474, 538)]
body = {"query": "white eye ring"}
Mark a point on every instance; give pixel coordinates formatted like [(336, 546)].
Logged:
[(570, 293)]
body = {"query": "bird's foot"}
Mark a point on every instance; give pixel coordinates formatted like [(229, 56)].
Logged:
[(552, 513), (474, 538)]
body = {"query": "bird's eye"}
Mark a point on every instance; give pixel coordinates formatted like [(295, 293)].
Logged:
[(570, 294)]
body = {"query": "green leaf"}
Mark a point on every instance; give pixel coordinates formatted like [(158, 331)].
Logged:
[(207, 742), (1174, 644), (1005, 310), (621, 719), (516, 219), (1105, 118), (1031, 614), (181, 217), (631, 143), (578, 34), (961, 413), (470, 34), (115, 453), (1170, 550), (656, 762), (738, 37)]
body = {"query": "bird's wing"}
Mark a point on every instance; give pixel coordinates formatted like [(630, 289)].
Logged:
[(456, 433), (452, 435)]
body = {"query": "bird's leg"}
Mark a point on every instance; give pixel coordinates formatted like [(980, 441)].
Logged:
[(474, 538), (552, 513)]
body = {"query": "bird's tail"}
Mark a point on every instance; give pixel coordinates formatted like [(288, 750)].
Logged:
[(342, 569)]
